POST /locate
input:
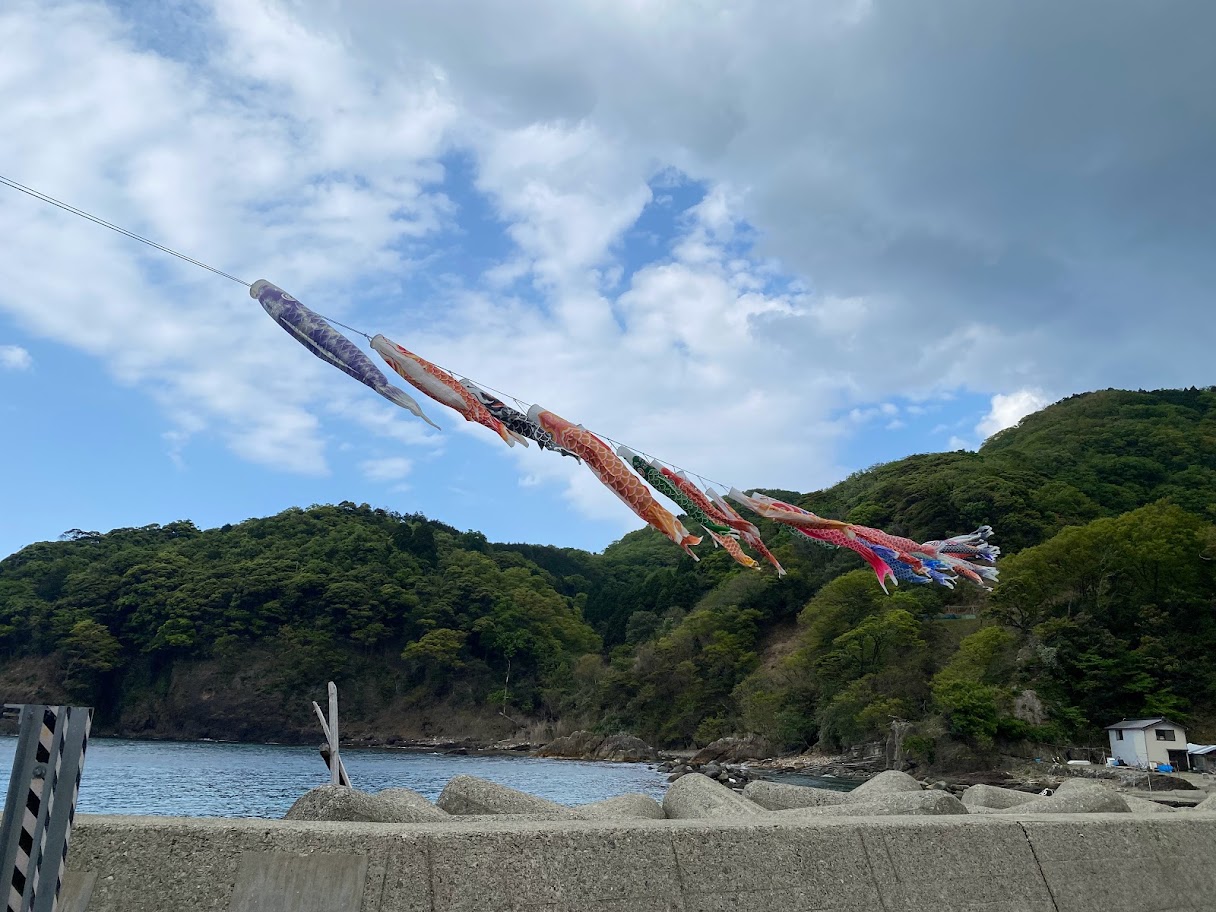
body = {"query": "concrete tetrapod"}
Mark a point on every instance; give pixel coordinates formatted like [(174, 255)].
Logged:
[(1074, 796), (993, 796), (411, 804), (895, 803), (341, 802), (885, 783), (777, 796), (695, 795), (470, 795), (622, 807), (1144, 806)]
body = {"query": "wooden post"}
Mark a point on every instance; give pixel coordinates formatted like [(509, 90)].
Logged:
[(330, 749), (327, 747), (335, 762)]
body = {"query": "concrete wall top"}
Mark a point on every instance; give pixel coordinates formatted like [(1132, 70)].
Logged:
[(1116, 862)]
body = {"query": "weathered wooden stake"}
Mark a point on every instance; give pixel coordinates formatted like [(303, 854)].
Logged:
[(331, 756), (335, 761)]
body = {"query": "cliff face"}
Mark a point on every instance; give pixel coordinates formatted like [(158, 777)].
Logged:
[(240, 699)]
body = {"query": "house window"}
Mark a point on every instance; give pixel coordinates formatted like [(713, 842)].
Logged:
[(1118, 734), (1165, 734)]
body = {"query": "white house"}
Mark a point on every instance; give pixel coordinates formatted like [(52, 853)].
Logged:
[(1145, 743)]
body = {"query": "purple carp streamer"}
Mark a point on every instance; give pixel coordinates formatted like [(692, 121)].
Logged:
[(311, 331)]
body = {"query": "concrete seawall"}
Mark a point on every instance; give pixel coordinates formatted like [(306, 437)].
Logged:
[(1056, 863)]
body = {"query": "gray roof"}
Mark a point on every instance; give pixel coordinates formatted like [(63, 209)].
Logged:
[(1137, 724), (1201, 748)]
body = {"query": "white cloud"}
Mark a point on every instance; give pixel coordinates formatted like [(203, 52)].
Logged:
[(934, 233), (387, 468), (1008, 410), (316, 175), (14, 357), (958, 443)]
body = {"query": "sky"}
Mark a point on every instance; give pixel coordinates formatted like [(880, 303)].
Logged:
[(770, 242)]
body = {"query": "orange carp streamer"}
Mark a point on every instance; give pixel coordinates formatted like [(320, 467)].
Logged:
[(750, 534), (615, 475), (439, 385), (732, 548)]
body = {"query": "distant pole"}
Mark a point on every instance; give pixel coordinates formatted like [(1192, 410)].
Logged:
[(335, 762)]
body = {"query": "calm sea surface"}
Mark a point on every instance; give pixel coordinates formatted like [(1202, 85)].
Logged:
[(209, 779)]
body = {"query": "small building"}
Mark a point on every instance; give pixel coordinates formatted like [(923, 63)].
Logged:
[(1203, 757), (1148, 743)]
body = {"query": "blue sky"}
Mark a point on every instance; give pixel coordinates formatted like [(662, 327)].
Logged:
[(772, 243)]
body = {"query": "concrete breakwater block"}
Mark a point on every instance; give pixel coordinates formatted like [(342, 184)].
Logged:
[(993, 796), (623, 806), (887, 782), (341, 802), (470, 795), (1207, 805), (777, 796), (896, 803), (695, 795)]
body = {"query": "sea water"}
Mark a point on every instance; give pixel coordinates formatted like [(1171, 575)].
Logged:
[(219, 779), (213, 779)]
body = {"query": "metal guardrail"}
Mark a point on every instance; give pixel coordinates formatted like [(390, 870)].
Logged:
[(41, 804)]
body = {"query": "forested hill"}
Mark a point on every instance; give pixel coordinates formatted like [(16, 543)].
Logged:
[(1103, 504)]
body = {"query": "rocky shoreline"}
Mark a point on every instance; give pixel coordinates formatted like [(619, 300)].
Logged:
[(736, 762)]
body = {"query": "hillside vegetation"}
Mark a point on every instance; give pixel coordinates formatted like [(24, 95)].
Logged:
[(1103, 504)]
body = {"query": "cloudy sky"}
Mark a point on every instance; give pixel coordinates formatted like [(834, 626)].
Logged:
[(771, 242)]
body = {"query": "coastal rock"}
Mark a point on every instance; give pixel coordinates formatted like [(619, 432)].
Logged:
[(778, 796), (624, 748), (732, 750), (584, 745), (888, 782), (918, 803), (993, 796), (623, 806), (694, 795), (580, 745), (470, 795), (340, 802)]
